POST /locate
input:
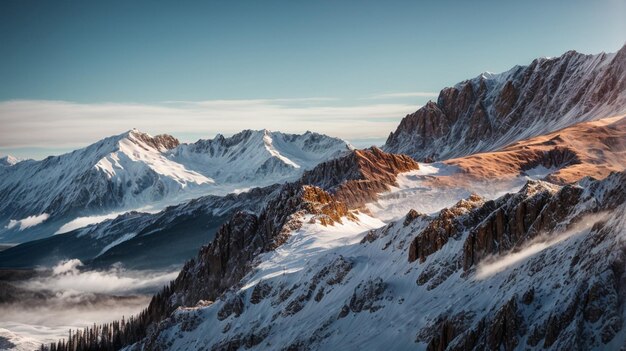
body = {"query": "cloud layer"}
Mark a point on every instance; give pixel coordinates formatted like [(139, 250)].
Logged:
[(68, 297), (62, 124), (67, 278)]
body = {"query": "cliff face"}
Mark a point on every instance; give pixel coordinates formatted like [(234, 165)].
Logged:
[(587, 271), (161, 142), (494, 110)]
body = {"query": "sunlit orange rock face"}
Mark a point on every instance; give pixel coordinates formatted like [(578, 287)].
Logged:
[(592, 149), (357, 178)]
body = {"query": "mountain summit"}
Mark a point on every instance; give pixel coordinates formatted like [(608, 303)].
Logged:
[(9, 160)]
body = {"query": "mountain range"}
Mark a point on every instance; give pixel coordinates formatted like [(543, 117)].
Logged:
[(134, 171), (492, 219), (542, 266)]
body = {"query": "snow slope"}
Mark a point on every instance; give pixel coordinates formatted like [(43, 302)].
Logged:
[(15, 342), (339, 286), (258, 157)]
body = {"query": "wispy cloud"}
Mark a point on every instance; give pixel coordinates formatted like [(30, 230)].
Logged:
[(28, 222), (404, 95), (63, 124), (495, 264)]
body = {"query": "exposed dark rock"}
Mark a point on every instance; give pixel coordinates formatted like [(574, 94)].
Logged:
[(446, 225), (260, 292), (357, 178), (509, 224), (528, 296), (159, 142), (366, 295), (506, 327), (487, 113), (332, 274), (233, 306), (500, 330), (242, 341), (411, 216), (439, 334)]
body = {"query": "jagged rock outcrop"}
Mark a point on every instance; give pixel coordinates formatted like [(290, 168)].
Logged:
[(448, 223), (511, 223), (538, 209), (493, 110), (160, 142), (228, 258), (357, 178), (500, 331), (584, 313)]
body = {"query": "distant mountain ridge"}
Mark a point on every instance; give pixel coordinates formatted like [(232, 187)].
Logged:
[(258, 155), (493, 110), (139, 240), (134, 169)]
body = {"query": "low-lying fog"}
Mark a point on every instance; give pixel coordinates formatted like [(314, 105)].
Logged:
[(44, 307)]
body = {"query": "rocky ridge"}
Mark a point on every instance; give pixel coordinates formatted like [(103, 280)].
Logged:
[(594, 148), (140, 240), (493, 110), (328, 194)]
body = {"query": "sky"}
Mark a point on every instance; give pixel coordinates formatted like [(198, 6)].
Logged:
[(73, 72)]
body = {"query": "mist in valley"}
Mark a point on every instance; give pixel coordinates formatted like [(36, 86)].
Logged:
[(41, 306)]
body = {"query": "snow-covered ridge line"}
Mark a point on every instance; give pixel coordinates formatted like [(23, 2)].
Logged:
[(134, 169)]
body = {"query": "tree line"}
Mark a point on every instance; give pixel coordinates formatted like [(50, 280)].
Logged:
[(117, 334)]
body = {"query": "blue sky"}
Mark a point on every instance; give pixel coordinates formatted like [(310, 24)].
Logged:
[(318, 55)]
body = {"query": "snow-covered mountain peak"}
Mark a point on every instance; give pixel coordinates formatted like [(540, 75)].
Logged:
[(161, 142), (9, 160), (257, 154), (139, 153)]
